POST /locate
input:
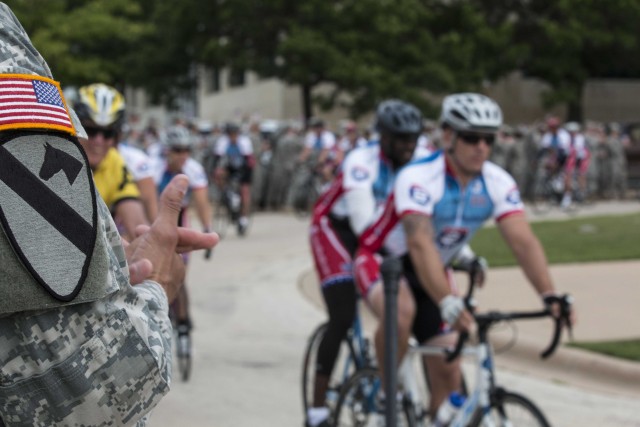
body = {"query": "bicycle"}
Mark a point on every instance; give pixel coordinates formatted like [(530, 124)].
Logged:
[(487, 404), (550, 188), (183, 347), (357, 356), (227, 208), (309, 185)]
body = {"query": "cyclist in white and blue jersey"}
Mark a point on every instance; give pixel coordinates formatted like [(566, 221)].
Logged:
[(440, 202), (178, 161)]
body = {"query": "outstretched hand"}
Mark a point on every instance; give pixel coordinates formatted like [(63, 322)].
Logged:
[(154, 254)]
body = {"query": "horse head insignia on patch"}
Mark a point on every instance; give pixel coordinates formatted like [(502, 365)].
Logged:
[(48, 208)]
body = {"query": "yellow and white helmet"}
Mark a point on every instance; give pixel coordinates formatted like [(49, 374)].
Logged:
[(100, 105)]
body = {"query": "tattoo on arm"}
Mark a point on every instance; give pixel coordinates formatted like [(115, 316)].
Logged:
[(417, 224)]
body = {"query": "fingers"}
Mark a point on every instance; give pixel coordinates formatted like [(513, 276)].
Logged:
[(191, 240), (140, 270), (171, 202)]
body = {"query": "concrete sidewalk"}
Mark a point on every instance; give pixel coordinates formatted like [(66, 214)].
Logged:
[(606, 302), (606, 297)]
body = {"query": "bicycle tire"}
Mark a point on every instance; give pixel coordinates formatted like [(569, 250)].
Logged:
[(221, 217), (357, 402), (184, 366), (519, 410), (309, 365)]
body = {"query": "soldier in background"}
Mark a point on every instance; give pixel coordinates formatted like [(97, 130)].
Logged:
[(288, 146), (90, 348), (617, 145), (603, 163)]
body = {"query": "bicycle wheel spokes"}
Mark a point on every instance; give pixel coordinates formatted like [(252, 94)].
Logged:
[(513, 410), (357, 405)]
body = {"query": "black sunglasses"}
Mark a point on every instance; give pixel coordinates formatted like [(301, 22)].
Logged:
[(474, 138), (180, 150), (106, 132)]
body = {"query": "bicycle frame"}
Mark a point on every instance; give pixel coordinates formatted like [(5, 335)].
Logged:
[(358, 347)]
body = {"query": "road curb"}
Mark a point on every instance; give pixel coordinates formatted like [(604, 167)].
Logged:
[(570, 365)]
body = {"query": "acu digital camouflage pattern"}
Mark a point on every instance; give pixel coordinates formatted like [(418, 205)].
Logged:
[(94, 364), (100, 363)]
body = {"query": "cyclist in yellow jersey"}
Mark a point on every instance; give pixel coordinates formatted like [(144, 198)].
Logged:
[(101, 111)]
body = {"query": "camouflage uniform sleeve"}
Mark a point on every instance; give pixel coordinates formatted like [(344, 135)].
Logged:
[(106, 362)]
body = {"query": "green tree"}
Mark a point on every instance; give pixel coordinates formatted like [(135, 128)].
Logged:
[(566, 42), (367, 49), (85, 41)]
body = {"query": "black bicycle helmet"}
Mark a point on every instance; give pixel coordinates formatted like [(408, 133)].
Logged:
[(232, 127), (395, 116)]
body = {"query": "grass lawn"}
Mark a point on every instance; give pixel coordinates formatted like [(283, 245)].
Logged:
[(628, 349), (605, 238)]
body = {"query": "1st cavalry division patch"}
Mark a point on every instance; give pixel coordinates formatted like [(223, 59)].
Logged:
[(47, 199)]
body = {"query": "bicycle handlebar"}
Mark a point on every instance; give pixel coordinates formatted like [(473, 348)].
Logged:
[(486, 320)]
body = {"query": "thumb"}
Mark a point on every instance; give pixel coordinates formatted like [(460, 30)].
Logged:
[(171, 201)]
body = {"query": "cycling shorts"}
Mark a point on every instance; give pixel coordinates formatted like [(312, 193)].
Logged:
[(244, 173), (580, 165), (427, 323), (333, 244)]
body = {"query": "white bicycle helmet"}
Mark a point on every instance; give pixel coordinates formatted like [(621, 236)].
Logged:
[(471, 112), (178, 137)]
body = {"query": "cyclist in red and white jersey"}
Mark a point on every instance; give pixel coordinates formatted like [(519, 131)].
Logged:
[(577, 162), (440, 202), (340, 215)]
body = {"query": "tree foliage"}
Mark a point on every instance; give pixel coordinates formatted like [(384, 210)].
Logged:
[(367, 50)]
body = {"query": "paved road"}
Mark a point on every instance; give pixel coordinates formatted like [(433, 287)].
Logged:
[(251, 325)]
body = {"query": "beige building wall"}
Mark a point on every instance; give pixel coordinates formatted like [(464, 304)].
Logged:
[(520, 98), (612, 100)]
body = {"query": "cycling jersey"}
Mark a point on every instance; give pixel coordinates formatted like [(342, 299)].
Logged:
[(113, 180), (560, 140), (429, 187), (325, 141), (238, 154), (364, 169), (579, 156), (137, 161), (194, 171)]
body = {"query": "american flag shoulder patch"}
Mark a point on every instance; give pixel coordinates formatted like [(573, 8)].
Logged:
[(33, 102)]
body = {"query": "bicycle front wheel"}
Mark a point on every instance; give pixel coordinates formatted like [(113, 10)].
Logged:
[(309, 365), (511, 409), (359, 404), (221, 217)]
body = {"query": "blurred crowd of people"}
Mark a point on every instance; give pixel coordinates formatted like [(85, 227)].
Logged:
[(287, 153)]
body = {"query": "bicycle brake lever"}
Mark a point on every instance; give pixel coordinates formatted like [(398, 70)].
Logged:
[(452, 355)]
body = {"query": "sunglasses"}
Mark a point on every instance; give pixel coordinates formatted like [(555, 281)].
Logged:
[(475, 138), (180, 150), (106, 132)]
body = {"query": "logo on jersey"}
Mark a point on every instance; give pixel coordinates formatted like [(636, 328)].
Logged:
[(476, 187), (513, 197), (48, 210), (359, 173), (451, 237), (419, 195)]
